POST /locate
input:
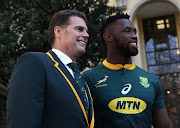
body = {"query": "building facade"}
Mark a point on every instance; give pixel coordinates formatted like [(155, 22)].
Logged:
[(158, 25)]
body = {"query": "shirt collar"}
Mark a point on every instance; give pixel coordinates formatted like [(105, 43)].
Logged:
[(118, 66), (63, 57)]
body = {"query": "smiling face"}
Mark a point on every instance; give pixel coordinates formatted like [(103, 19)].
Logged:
[(124, 37), (73, 38)]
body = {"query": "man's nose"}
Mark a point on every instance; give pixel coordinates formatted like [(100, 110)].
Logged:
[(86, 34), (133, 35)]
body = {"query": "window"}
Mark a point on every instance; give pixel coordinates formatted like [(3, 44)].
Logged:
[(163, 59), (121, 3), (162, 50)]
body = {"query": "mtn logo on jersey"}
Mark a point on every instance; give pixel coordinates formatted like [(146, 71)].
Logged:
[(127, 105), (144, 82), (101, 81)]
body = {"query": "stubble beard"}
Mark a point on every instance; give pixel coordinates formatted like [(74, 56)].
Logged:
[(126, 50), (129, 51)]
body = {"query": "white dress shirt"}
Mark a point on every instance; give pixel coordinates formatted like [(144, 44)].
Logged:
[(64, 59)]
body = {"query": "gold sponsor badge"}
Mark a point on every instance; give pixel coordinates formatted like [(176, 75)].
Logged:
[(127, 105)]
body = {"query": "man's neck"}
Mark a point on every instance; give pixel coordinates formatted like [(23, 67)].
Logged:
[(119, 60)]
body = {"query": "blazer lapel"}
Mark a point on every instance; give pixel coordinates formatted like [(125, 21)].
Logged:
[(91, 110), (70, 80), (67, 73)]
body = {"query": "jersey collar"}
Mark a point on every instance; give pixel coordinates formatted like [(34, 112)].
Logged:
[(118, 66)]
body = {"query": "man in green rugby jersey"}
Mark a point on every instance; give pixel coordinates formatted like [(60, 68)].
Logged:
[(124, 95)]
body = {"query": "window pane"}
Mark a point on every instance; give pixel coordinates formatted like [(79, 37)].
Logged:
[(175, 55), (163, 57), (161, 46), (150, 45), (172, 42), (175, 67), (165, 69), (151, 59), (154, 69)]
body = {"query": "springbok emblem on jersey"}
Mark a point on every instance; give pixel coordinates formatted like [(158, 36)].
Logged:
[(101, 81), (144, 82)]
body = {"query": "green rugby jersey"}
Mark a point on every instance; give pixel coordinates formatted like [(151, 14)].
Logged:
[(124, 97)]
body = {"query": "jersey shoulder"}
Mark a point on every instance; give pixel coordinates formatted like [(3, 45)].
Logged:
[(152, 78), (146, 73), (93, 71), (93, 75)]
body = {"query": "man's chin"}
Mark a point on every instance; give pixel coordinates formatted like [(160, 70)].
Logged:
[(130, 52), (82, 52), (134, 53)]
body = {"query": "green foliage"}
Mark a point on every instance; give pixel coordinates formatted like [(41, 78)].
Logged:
[(24, 27)]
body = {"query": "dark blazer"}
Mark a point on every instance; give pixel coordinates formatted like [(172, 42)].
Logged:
[(43, 94)]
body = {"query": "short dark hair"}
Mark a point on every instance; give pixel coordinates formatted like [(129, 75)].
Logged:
[(61, 19), (111, 19)]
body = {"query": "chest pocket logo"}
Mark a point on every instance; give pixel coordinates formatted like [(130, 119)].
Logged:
[(144, 82), (126, 89), (101, 81)]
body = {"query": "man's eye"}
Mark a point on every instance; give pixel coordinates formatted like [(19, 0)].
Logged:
[(79, 29), (135, 32), (128, 30)]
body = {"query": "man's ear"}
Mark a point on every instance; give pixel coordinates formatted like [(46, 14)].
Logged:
[(57, 31), (107, 37)]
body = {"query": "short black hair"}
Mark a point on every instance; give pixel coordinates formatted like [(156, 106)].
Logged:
[(110, 20), (61, 19)]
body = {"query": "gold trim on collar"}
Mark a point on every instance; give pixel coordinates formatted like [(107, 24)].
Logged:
[(76, 94), (118, 66)]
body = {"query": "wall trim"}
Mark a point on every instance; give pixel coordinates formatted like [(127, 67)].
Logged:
[(141, 3)]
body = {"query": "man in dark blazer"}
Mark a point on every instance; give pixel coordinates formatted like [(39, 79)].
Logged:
[(42, 92)]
